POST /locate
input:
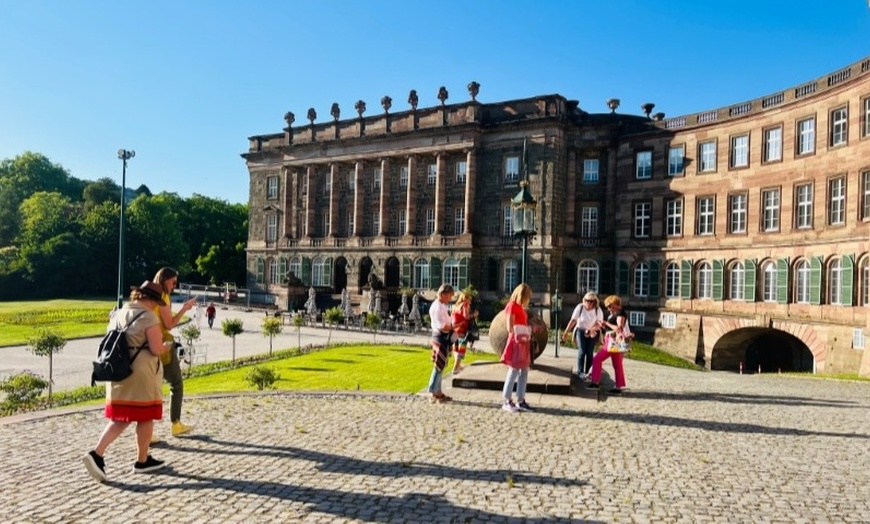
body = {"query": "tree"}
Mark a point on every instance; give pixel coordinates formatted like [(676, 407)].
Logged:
[(298, 320), (153, 230), (46, 345), (99, 232), (373, 322), (232, 327), (99, 192), (271, 327), (332, 316)]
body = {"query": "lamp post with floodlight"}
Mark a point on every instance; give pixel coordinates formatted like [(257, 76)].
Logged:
[(124, 155)]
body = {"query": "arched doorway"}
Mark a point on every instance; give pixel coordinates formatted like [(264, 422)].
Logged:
[(339, 279), (365, 268), (393, 273), (764, 349)]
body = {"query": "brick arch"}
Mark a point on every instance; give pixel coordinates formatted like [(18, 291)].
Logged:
[(805, 333), (717, 327)]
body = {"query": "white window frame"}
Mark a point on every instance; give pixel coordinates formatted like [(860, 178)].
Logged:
[(708, 156), (674, 220), (835, 283), (636, 318), (319, 268), (806, 136), (510, 275), (771, 204), (590, 171), (458, 220), (641, 280), (273, 271), (376, 223), (837, 201), (403, 221), (804, 207), (864, 276), (705, 280), (295, 267), (271, 227), (773, 144), (865, 195), (512, 169), (430, 220), (421, 274), (706, 216), (668, 320), (403, 177), (737, 209), (587, 276), (272, 187), (261, 271), (350, 224), (642, 219), (858, 338), (377, 178), (351, 182), (451, 272), (740, 151), (461, 171), (643, 165), (865, 128), (431, 174), (672, 280), (769, 281), (589, 222), (676, 159), (839, 126), (507, 221), (737, 281), (802, 282)]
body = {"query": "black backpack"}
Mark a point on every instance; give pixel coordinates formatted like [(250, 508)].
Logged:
[(114, 363)]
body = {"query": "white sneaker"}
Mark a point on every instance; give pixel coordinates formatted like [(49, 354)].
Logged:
[(510, 407), (581, 376)]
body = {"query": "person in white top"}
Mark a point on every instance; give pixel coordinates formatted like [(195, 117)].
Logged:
[(442, 332), (584, 321)]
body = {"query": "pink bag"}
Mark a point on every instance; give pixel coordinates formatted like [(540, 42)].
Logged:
[(518, 350)]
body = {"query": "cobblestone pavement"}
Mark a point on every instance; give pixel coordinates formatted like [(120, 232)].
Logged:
[(678, 446)]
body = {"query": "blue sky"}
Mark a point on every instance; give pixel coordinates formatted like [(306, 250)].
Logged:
[(184, 83)]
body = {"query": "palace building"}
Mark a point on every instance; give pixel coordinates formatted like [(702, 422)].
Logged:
[(738, 237)]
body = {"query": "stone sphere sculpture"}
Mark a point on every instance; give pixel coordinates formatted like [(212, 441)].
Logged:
[(498, 334)]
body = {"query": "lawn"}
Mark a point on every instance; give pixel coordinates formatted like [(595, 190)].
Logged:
[(21, 321)]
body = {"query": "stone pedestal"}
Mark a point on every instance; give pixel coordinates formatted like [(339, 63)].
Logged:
[(498, 333)]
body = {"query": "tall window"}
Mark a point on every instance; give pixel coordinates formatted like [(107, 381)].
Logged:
[(376, 223), (770, 219), (641, 280), (642, 219), (806, 136), (864, 274), (421, 274), (835, 283), (451, 272), (802, 282), (305, 185), (296, 267), (431, 174), (512, 169), (319, 272), (430, 221), (865, 195), (773, 144), (461, 168), (327, 185), (804, 209), (705, 280), (589, 222), (839, 126), (272, 187), (587, 277), (377, 178), (865, 128), (737, 281), (768, 282), (273, 271), (672, 280), (511, 276), (740, 151), (706, 215), (403, 177), (271, 227), (507, 221), (350, 230), (837, 201), (351, 182), (261, 271), (674, 218), (325, 226), (458, 220), (403, 226), (676, 154), (708, 156), (737, 208), (590, 171), (644, 165)]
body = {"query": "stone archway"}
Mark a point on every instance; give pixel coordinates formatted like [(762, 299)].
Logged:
[(339, 275), (365, 268), (765, 349), (392, 273)]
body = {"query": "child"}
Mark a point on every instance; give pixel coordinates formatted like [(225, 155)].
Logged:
[(462, 317), (442, 332)]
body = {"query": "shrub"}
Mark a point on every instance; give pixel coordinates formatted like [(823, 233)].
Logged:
[(22, 391), (262, 377)]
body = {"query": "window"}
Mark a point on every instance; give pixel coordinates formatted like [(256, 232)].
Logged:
[(636, 318), (672, 280), (804, 209), (430, 221), (839, 126), (642, 219), (674, 220), (802, 282), (351, 182), (865, 195), (431, 174), (512, 169), (773, 144), (271, 227), (768, 282), (589, 222), (507, 221), (740, 151), (864, 276), (708, 156), (865, 127), (737, 210), (705, 280), (676, 154), (327, 185), (451, 272), (377, 178), (461, 168), (261, 271), (511, 276), (402, 222), (806, 136), (835, 283), (458, 220), (376, 223), (350, 230), (857, 338), (837, 201), (643, 168), (326, 225), (403, 177), (641, 280), (587, 277), (590, 171), (295, 267), (668, 320), (319, 272), (421, 274), (770, 213), (737, 281), (706, 215), (305, 185), (273, 271), (272, 187)]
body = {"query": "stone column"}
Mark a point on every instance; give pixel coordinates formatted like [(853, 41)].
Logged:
[(311, 183), (358, 199), (440, 192), (470, 184), (411, 204), (571, 194), (382, 223), (290, 207), (333, 200), (287, 202)]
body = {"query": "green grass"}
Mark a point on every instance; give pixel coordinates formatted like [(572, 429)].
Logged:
[(21, 321), (830, 376), (647, 353)]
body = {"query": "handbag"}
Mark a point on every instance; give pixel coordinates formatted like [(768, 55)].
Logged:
[(616, 342), (518, 349)]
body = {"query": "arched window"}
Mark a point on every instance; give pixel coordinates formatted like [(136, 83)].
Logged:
[(587, 277), (421, 274), (672, 280), (864, 277), (261, 271), (768, 281), (705, 280), (641, 280), (511, 276), (737, 279), (451, 272), (835, 283), (296, 267), (802, 282), (319, 271), (273, 271)]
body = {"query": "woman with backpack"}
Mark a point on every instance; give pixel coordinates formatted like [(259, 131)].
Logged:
[(139, 397)]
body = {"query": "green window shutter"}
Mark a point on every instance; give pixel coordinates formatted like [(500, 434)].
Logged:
[(463, 272), (718, 277), (686, 279), (605, 281), (848, 272), (622, 280), (816, 280), (306, 271), (782, 281), (282, 268), (654, 275), (327, 271), (750, 278), (261, 271), (406, 272), (434, 272)]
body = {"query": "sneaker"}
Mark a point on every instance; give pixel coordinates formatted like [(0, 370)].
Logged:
[(154, 439), (581, 376), (150, 464), (524, 406), (96, 466), (615, 391), (510, 407), (179, 429), (592, 385)]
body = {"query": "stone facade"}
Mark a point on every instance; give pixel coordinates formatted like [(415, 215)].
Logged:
[(736, 236)]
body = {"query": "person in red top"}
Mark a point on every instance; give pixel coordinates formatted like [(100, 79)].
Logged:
[(210, 313), (462, 316), (515, 315)]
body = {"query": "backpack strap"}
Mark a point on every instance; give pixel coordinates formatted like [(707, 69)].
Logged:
[(140, 348)]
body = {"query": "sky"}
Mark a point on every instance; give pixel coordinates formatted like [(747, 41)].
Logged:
[(185, 83)]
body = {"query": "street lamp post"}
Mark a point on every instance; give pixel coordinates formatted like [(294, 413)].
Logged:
[(524, 221), (124, 155), (557, 308)]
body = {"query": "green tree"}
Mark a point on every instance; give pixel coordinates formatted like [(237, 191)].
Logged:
[(232, 327), (46, 345), (373, 322), (22, 391), (271, 327), (99, 192), (153, 239), (332, 316), (99, 232), (298, 321)]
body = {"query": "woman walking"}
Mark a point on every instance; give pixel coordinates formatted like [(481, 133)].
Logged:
[(616, 323), (518, 365), (584, 321)]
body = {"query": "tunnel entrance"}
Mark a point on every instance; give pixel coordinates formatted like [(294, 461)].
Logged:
[(761, 350)]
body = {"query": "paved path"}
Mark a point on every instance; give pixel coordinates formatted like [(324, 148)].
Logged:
[(679, 446)]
